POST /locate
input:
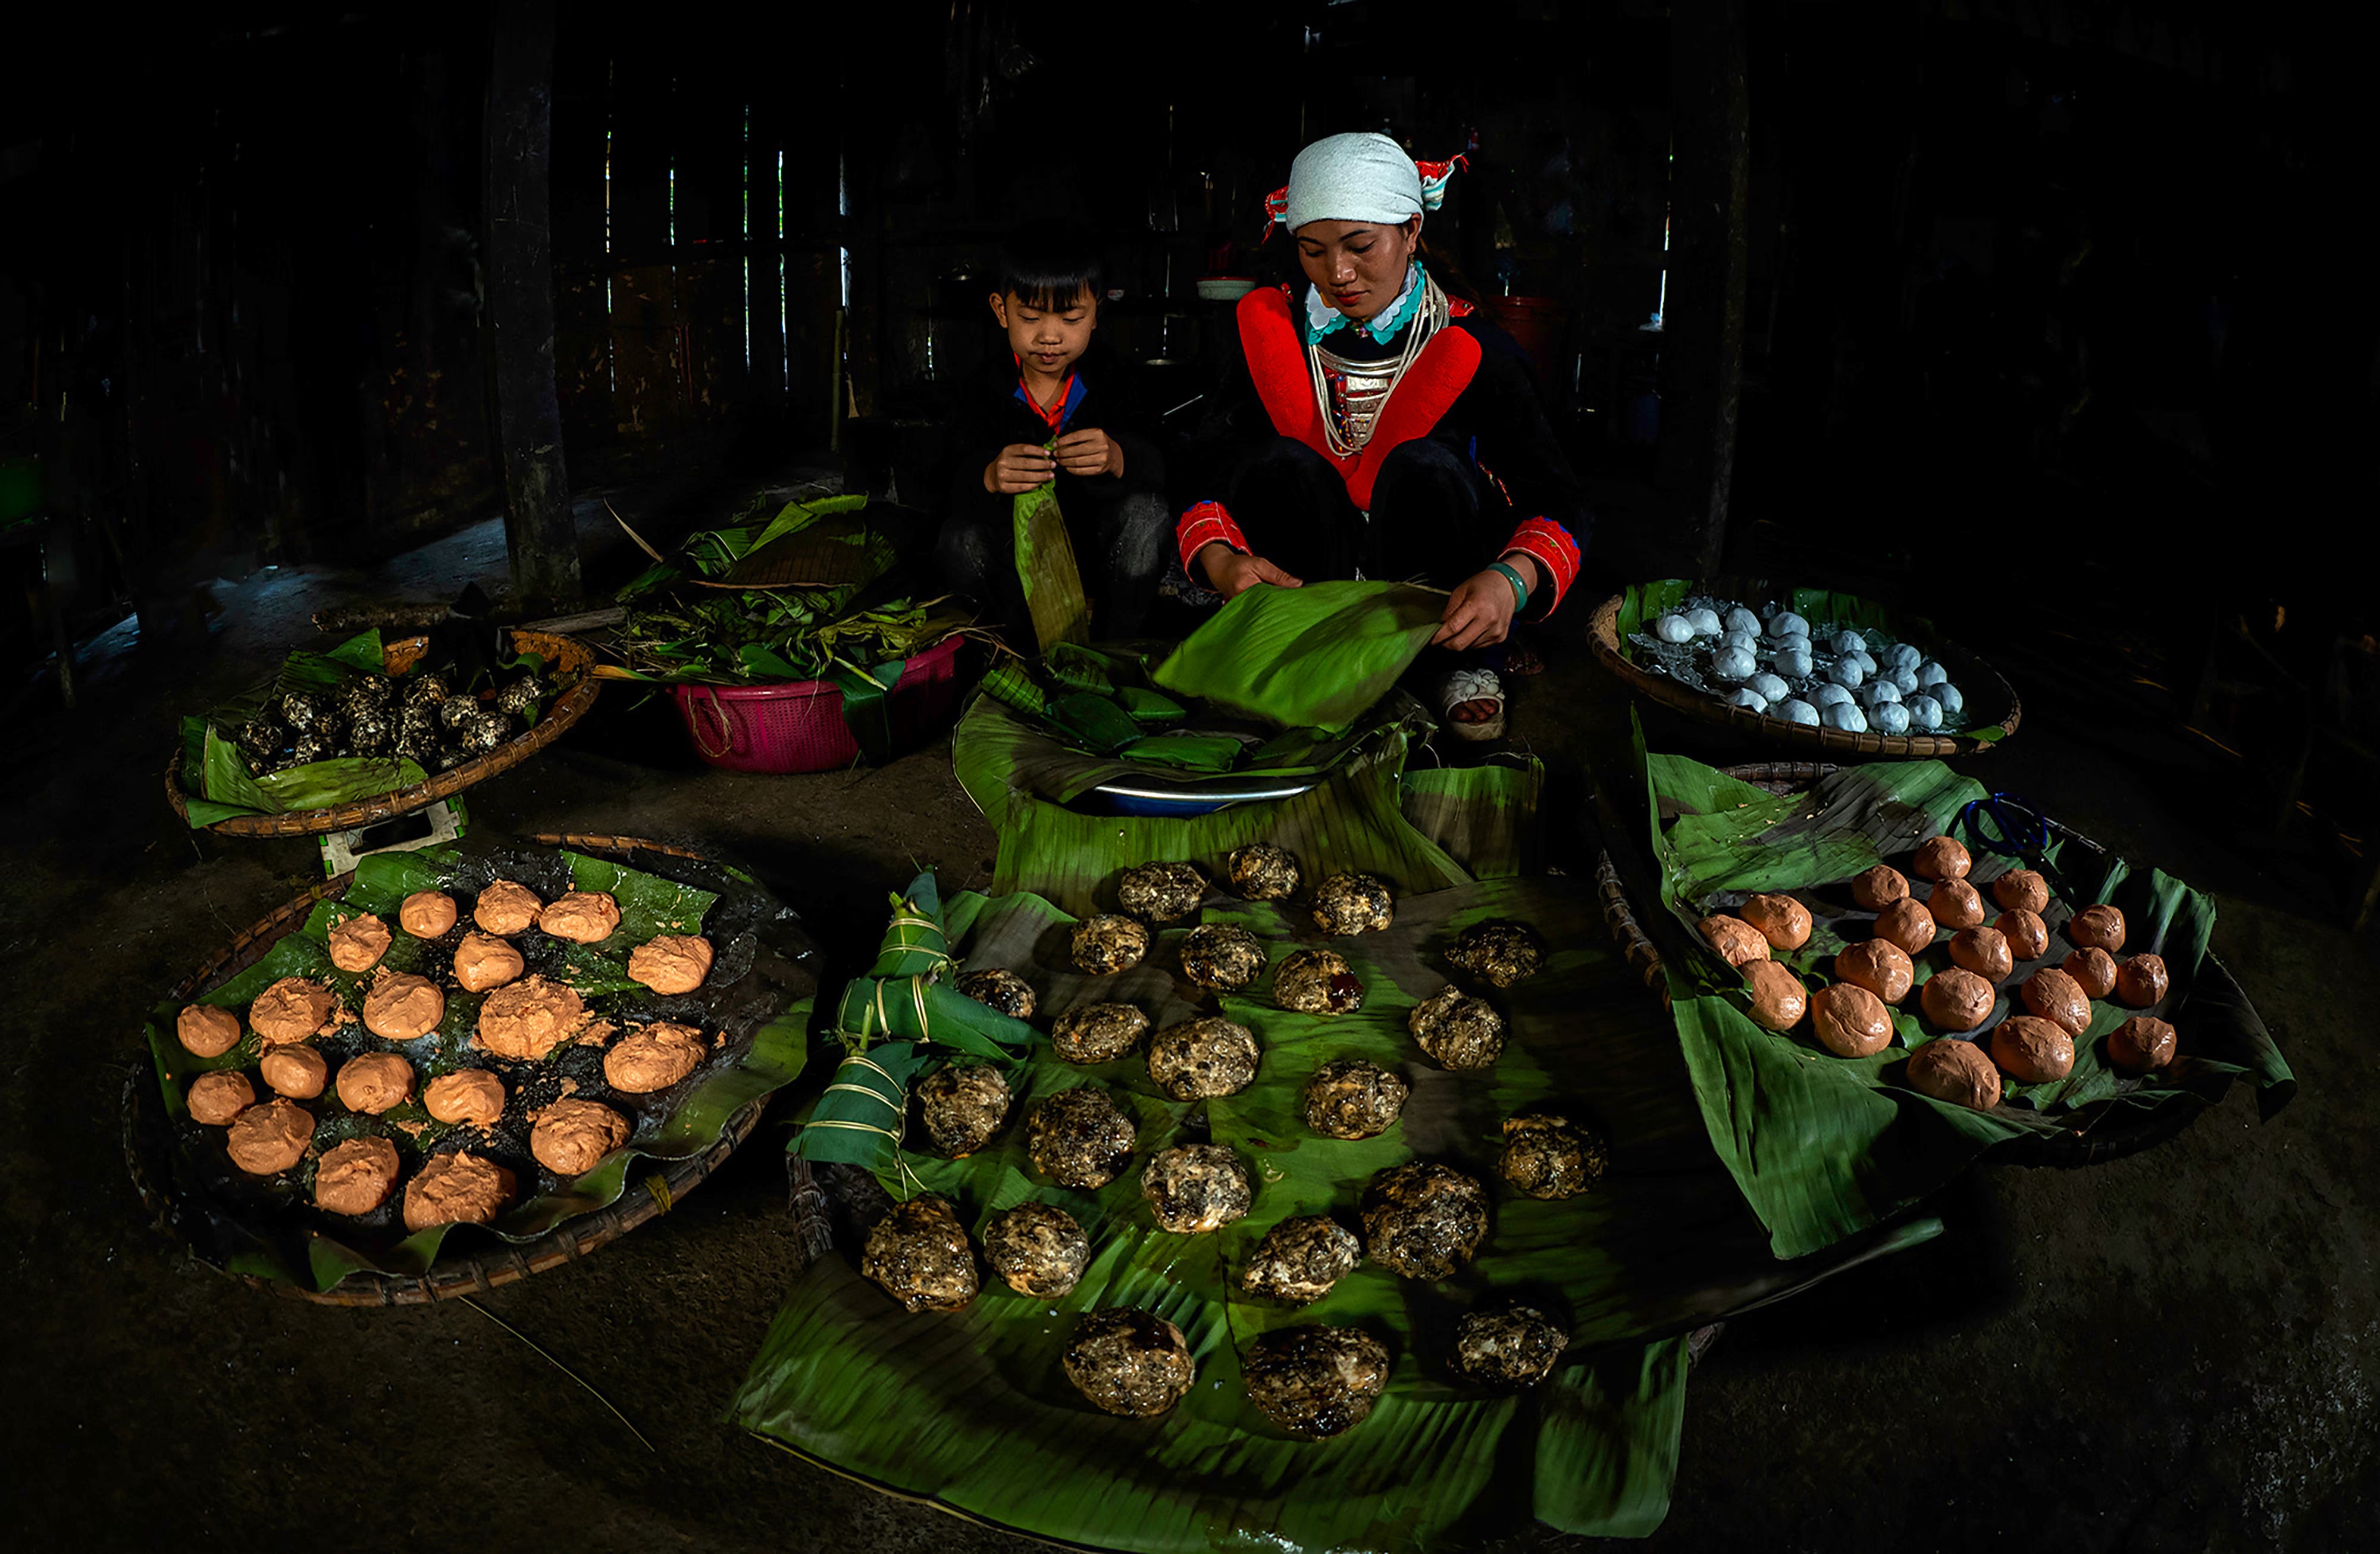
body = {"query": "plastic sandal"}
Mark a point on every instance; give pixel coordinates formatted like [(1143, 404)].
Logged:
[(1472, 685)]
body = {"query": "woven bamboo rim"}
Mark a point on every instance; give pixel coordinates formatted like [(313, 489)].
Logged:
[(645, 1198), (1603, 636), (566, 653), (2080, 1144)]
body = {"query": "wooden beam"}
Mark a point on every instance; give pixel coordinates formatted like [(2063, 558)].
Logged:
[(540, 535), (1702, 360)]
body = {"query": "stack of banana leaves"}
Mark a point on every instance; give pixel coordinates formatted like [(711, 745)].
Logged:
[(814, 593)]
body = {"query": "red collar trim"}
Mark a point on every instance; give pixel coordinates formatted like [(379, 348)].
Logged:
[(1284, 381)]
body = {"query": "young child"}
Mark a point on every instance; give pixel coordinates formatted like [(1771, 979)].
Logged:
[(1054, 379)]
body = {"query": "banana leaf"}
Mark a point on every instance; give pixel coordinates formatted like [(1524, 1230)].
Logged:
[(946, 1406), (758, 1000), (1488, 816), (1312, 658), (1045, 564), (1823, 1146)]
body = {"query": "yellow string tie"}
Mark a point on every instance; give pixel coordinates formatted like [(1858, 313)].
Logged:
[(660, 1190)]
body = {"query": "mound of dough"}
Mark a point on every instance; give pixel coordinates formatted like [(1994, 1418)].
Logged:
[(1221, 957), (1940, 858), (2021, 888), (1162, 892), (1849, 1020), (1080, 1138), (1778, 999), (1907, 925), (582, 917), (215, 1098), (1316, 982), (375, 1081), (504, 908), (426, 914), (1300, 1258), (1878, 965), (996, 988), (269, 1139), (528, 1018), (1498, 953), (1349, 1098), (2057, 997), (672, 964), (2094, 970), (291, 1010), (1956, 999), (1984, 951), (206, 1031), (1738, 942), (358, 944), (1955, 905), (2140, 1044), (2027, 936), (1781, 920), (1878, 888), (2098, 927), (918, 1254), (456, 1189), (1954, 1071), (1316, 1382), (483, 962), (472, 1096), (653, 1059), (1424, 1220), (356, 1177), (572, 1135), (961, 1106), (2142, 981), (1097, 1032), (1038, 1249), (2032, 1049), (1261, 872), (1202, 1058), (299, 1072), (1106, 944), (404, 1008), (1194, 1188), (1549, 1156), (1349, 904), (1457, 1031), (1130, 1361)]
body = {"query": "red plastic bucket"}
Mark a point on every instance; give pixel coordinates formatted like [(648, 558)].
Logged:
[(798, 727)]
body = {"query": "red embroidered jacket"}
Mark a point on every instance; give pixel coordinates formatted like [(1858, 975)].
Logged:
[(1469, 389)]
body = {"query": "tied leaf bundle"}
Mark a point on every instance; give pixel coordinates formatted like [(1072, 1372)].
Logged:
[(858, 1119)]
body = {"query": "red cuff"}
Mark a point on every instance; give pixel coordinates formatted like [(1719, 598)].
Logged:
[(1203, 525), (1549, 545)]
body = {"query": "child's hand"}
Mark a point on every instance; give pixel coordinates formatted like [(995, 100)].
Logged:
[(1019, 469), (1090, 452)]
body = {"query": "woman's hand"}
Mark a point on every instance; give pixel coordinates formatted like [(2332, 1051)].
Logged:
[(1232, 574), (1479, 612), (1090, 452), (1018, 470)]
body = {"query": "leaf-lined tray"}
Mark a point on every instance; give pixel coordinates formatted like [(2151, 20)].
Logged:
[(754, 1003), (1824, 1145), (972, 1411)]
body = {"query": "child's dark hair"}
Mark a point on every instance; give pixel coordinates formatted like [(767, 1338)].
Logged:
[(1047, 266)]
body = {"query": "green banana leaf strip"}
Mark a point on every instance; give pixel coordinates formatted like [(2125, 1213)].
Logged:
[(857, 1119), (1149, 708), (945, 1405), (1823, 1146), (1009, 682), (867, 711), (1186, 752), (766, 1051), (1094, 723), (1080, 668), (1487, 816), (1313, 657), (1045, 563)]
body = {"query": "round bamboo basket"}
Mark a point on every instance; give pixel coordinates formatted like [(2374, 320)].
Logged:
[(648, 1197), (1990, 696), (2095, 1134), (565, 654)]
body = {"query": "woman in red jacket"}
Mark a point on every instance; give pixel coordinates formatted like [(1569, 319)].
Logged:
[(1384, 428)]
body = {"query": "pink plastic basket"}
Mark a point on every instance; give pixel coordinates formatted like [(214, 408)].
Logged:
[(798, 727)]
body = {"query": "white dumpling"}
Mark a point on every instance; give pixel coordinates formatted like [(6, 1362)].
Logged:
[(1743, 620), (1876, 692), (1925, 712), (1903, 680), (1800, 712), (1952, 702), (1829, 694), (1747, 697), (1903, 655), (1847, 673), (1793, 660), (1890, 718), (1785, 623), (1769, 686), (1733, 663), (1737, 639), (1703, 621), (1931, 673), (1672, 627), (1849, 641), (1846, 717)]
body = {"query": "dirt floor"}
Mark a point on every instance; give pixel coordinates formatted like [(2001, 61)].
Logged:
[(2176, 1350)]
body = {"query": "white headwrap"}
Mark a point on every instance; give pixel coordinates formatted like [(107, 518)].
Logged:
[(1352, 177)]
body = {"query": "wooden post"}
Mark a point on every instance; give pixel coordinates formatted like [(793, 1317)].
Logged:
[(539, 533), (1701, 360)]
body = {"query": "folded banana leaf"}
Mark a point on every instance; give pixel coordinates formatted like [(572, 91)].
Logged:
[(1311, 658), (758, 1000), (1823, 1146), (1044, 565), (946, 1406)]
